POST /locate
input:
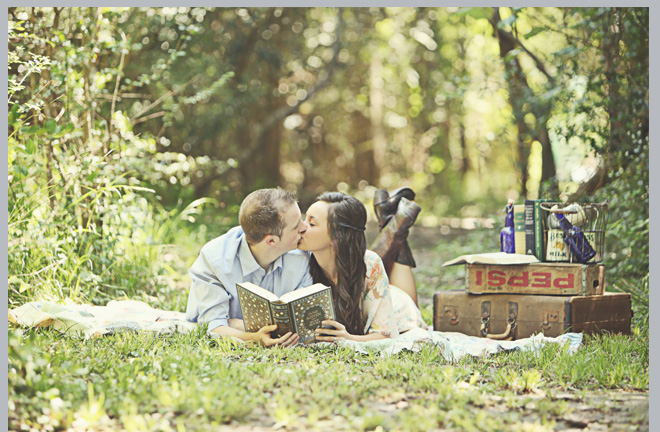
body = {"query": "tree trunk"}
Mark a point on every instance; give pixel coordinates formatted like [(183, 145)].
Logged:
[(523, 145), (50, 163), (367, 153), (549, 187), (268, 169), (378, 140), (465, 157), (517, 87)]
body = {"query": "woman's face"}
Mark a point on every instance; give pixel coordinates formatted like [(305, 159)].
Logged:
[(317, 236)]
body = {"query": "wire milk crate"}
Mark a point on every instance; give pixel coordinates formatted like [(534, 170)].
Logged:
[(574, 232)]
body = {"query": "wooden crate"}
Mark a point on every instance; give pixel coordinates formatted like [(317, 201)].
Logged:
[(537, 278)]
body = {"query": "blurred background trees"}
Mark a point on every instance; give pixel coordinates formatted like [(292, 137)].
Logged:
[(144, 115)]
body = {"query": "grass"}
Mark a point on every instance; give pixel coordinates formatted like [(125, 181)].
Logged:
[(136, 381)]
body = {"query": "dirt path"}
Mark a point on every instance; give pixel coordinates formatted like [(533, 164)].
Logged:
[(581, 410)]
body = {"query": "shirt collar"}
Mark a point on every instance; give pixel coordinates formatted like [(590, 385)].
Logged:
[(277, 263), (250, 265)]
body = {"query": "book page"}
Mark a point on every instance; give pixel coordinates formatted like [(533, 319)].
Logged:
[(493, 258), (302, 292), (256, 289)]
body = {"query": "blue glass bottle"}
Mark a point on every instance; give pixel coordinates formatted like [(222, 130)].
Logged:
[(507, 239), (581, 250)]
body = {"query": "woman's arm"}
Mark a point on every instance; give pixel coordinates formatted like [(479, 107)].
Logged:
[(339, 333), (368, 337)]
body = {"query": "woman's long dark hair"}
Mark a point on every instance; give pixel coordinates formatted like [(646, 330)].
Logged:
[(347, 219)]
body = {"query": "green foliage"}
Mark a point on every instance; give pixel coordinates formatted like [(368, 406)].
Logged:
[(83, 228), (31, 392), (627, 236), (82, 224), (355, 98), (476, 12)]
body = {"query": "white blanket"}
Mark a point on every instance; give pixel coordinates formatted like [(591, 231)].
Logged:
[(116, 316), (453, 345), (95, 321)]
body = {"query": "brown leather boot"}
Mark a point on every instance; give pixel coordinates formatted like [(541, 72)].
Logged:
[(386, 205), (389, 244), (405, 256)]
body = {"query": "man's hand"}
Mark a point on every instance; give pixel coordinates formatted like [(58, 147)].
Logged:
[(332, 335), (263, 337)]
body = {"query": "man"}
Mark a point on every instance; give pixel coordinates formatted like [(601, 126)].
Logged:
[(262, 250)]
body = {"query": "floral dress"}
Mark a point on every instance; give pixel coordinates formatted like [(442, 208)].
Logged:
[(387, 308)]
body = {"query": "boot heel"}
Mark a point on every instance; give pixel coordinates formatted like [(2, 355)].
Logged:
[(386, 206)]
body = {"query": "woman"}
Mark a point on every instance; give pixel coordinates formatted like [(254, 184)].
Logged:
[(366, 305)]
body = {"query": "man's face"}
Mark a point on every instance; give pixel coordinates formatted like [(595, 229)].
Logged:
[(293, 229)]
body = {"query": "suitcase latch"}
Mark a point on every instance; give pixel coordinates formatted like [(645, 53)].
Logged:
[(452, 313), (509, 333), (485, 318), (548, 318)]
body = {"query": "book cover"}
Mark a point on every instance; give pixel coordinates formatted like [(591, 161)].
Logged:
[(539, 237), (534, 238), (530, 234), (519, 228), (300, 311), (309, 311)]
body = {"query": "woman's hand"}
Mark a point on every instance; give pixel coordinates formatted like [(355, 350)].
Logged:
[(332, 335)]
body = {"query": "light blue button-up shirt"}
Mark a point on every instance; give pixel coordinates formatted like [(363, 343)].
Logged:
[(227, 260)]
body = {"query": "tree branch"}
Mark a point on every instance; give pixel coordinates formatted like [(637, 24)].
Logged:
[(149, 117), (114, 94), (162, 98), (121, 96), (595, 182), (515, 41)]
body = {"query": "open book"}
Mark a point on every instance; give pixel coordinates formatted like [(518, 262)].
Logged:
[(493, 258), (300, 311)]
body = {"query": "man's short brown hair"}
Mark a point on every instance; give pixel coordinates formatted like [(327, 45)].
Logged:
[(262, 213)]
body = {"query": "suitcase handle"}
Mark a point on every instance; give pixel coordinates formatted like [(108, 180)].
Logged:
[(507, 335)]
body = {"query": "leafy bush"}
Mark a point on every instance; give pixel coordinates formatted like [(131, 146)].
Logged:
[(627, 235), (90, 232), (82, 225)]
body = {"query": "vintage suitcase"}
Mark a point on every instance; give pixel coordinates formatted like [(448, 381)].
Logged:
[(515, 316), (537, 278)]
